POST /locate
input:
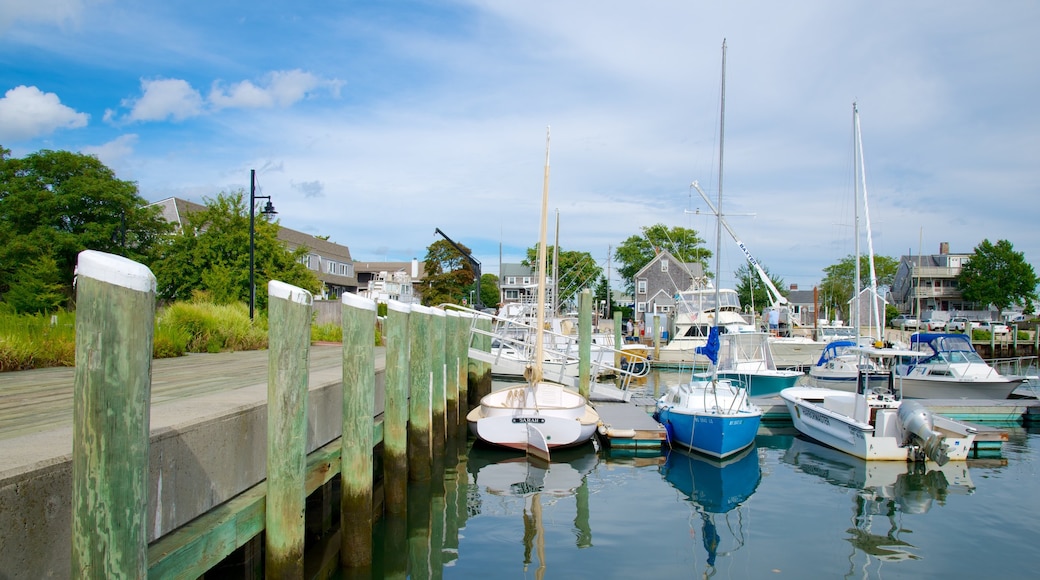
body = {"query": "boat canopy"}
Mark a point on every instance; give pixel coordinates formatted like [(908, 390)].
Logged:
[(695, 301), (945, 347)]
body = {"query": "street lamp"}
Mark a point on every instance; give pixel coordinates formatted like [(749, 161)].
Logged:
[(267, 211)]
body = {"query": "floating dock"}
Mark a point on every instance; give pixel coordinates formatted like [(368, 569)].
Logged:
[(628, 426)]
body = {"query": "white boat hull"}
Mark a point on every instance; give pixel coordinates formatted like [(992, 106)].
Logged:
[(562, 416), (828, 416)]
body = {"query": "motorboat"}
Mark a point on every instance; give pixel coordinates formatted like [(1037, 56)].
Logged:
[(877, 423), (697, 311), (747, 358), (946, 366)]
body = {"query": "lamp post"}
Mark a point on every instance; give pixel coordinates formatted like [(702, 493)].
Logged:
[(267, 211)]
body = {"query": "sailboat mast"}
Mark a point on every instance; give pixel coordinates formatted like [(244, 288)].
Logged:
[(718, 203), (876, 314), (856, 155), (539, 341)]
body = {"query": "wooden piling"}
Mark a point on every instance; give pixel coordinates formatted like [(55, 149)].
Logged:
[(438, 329), (395, 413), (420, 452), (289, 343), (359, 318), (462, 335), (584, 342), (451, 364), (115, 319), (619, 338)]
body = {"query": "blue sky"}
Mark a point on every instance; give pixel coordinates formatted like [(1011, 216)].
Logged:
[(376, 122)]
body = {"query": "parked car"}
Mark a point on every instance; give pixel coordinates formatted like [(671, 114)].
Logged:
[(904, 321), (934, 324), (992, 327), (958, 323)]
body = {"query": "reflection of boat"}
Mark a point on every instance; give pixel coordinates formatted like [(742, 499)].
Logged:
[(716, 488), (707, 414), (949, 368), (536, 416), (536, 481), (747, 357), (884, 488)]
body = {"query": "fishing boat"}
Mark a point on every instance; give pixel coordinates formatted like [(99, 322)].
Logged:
[(697, 311), (537, 416), (748, 359), (946, 366), (708, 414)]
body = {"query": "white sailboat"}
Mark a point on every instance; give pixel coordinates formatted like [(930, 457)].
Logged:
[(537, 416), (873, 422), (710, 415)]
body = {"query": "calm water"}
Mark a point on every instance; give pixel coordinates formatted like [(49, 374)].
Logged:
[(786, 508)]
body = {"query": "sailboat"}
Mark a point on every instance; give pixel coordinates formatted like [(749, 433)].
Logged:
[(537, 416), (710, 415), (874, 422)]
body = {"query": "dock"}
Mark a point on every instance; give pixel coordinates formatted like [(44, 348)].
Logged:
[(628, 426)]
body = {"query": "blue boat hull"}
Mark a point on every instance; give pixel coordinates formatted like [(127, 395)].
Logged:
[(713, 434)]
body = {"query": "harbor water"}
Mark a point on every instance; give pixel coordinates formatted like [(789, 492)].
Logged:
[(786, 508)]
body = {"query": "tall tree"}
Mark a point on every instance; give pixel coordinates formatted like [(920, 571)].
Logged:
[(998, 275), (448, 274), (752, 291), (211, 253), (839, 281), (489, 293), (577, 271), (638, 250), (55, 204)]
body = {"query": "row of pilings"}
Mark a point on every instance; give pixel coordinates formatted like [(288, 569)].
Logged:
[(427, 379)]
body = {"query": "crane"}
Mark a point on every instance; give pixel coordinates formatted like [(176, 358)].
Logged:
[(473, 262)]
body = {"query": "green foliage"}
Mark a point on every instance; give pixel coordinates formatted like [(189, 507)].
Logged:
[(326, 332), (37, 340), (215, 327), (211, 253), (749, 281), (638, 250), (577, 271), (36, 287), (55, 204), (998, 275), (448, 274), (489, 293), (839, 282)]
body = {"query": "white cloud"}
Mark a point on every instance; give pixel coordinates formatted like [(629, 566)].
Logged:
[(28, 112), (165, 99), (280, 89), (114, 152)]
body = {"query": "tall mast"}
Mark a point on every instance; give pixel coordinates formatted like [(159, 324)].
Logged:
[(718, 204), (539, 341), (856, 154)]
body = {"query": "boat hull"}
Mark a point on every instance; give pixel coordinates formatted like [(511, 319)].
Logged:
[(759, 384), (827, 416), (792, 353), (562, 417), (922, 388), (727, 426)]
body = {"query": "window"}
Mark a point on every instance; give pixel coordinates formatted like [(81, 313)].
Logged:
[(527, 279), (640, 306), (664, 266), (641, 287), (511, 280), (512, 294)]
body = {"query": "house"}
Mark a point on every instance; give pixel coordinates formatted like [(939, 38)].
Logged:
[(517, 284), (330, 262), (803, 304), (657, 283), (928, 283)]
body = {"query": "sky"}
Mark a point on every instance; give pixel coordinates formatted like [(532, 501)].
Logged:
[(376, 122)]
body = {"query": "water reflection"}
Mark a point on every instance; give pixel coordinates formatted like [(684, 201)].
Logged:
[(717, 489), (502, 473), (885, 490)]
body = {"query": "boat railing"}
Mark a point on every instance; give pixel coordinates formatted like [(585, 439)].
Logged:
[(519, 334)]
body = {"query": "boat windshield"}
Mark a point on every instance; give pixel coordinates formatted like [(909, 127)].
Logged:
[(953, 348), (693, 301)]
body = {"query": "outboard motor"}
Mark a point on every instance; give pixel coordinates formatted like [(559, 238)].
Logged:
[(918, 420)]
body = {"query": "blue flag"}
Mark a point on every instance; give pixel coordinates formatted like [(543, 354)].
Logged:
[(711, 350)]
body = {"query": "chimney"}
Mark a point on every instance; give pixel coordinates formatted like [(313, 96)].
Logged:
[(794, 287), (415, 268), (944, 248)]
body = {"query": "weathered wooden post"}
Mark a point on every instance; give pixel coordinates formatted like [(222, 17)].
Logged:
[(419, 402), (481, 379), (289, 344), (438, 329), (359, 402), (619, 339), (115, 318), (451, 360), (584, 342), (657, 336), (463, 337), (395, 413)]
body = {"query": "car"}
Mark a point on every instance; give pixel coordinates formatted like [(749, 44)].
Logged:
[(934, 324), (904, 321), (992, 327), (958, 323)]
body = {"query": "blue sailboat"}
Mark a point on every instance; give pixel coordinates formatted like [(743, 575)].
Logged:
[(708, 414)]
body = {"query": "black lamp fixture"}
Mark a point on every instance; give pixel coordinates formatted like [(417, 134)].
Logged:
[(267, 211)]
